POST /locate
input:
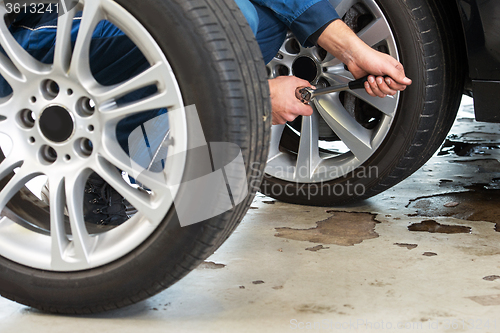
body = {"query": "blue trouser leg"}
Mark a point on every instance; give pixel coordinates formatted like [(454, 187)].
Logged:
[(269, 31)]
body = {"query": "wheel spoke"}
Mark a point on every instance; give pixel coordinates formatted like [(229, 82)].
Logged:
[(10, 73), (386, 105), (80, 61), (308, 156), (8, 125), (58, 236), (355, 137), (139, 199), (157, 101), (276, 134), (341, 76), (62, 51), (114, 156), (344, 6), (20, 178), (332, 63), (82, 242), (152, 76), (8, 165), (4, 107), (375, 32), (18, 57)]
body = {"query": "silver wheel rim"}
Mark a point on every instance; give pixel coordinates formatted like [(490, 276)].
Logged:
[(310, 163), (77, 249)]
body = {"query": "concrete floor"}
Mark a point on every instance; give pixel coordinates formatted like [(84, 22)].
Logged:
[(392, 279)]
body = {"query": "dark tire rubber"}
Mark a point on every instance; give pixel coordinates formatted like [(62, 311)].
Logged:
[(219, 68), (432, 50)]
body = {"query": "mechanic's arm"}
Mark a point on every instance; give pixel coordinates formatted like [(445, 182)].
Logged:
[(361, 59)]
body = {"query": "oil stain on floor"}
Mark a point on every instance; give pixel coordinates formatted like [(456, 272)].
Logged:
[(480, 203), (434, 227), (342, 228)]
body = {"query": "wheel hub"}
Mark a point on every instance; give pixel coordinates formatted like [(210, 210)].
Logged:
[(56, 123), (306, 69)]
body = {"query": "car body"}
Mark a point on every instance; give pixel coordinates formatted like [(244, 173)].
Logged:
[(481, 28)]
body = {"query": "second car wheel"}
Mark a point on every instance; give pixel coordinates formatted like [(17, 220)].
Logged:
[(62, 123), (355, 146)]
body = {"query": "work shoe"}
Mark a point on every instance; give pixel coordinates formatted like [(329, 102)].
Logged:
[(102, 204)]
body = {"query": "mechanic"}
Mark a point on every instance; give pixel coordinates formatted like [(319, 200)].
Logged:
[(314, 22)]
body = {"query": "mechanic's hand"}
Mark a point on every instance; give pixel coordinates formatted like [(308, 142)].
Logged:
[(361, 59), (285, 106), (370, 61)]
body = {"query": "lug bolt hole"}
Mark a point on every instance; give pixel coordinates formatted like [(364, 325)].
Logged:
[(69, 92), (85, 147), (91, 128), (26, 118), (321, 54), (48, 154), (50, 89), (292, 46), (282, 70), (67, 158), (33, 99), (85, 107), (31, 140)]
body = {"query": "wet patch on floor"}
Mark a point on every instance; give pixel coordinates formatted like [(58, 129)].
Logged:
[(489, 165), (491, 277), (316, 248), (443, 182), (488, 300), (258, 282), (429, 254), (466, 148), (210, 265), (343, 228), (480, 203), (435, 227), (408, 246)]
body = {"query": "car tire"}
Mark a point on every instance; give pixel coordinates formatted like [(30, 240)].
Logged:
[(426, 35), (219, 69)]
